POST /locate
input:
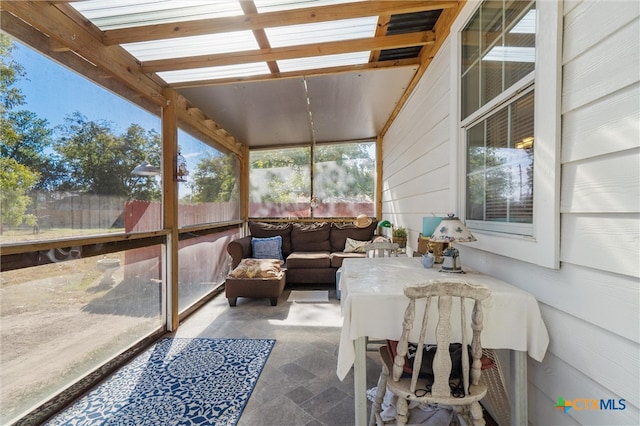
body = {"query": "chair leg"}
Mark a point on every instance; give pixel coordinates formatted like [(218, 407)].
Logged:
[(402, 407), (477, 417), (376, 407)]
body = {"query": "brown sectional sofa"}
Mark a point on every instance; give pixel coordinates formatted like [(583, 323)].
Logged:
[(313, 252)]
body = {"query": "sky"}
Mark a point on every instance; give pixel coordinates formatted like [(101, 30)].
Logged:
[(53, 92)]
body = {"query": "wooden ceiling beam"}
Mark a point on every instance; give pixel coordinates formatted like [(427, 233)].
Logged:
[(291, 52), (381, 30), (28, 35), (46, 28), (249, 7), (62, 31), (80, 20), (197, 122), (259, 21)]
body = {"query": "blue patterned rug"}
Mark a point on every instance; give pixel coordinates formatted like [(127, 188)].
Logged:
[(176, 382)]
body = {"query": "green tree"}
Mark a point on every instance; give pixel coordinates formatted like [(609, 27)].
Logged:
[(100, 162), (280, 175), (488, 181), (24, 136), (15, 182), (215, 179), (290, 157), (344, 171), (10, 73), (341, 152)]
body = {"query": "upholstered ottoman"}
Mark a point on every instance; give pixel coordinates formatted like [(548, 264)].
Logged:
[(256, 288), (255, 278)]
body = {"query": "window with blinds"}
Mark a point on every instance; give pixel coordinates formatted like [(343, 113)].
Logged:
[(497, 112)]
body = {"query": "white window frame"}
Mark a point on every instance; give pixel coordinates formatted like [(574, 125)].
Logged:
[(543, 246)]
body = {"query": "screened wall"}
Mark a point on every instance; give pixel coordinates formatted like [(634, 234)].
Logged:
[(319, 181), (84, 238)]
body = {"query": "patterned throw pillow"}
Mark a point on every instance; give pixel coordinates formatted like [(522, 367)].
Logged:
[(267, 248), (354, 246), (258, 268)]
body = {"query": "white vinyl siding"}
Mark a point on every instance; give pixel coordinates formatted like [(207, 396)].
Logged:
[(591, 303), (416, 153)]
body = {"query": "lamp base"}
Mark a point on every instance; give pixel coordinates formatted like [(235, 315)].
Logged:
[(451, 271), (451, 261)]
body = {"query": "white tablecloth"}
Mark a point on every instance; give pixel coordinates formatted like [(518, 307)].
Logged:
[(373, 305)]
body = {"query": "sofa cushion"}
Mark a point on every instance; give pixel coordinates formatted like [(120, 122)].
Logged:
[(315, 259), (338, 256), (313, 276), (238, 249), (341, 231), (311, 237), (258, 268), (267, 248), (266, 230)]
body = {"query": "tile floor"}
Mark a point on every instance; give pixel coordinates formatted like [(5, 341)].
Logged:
[(298, 385)]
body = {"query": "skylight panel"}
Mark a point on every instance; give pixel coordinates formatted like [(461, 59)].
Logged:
[(326, 61), (213, 73), (193, 46), (322, 32), (113, 14), (264, 6)]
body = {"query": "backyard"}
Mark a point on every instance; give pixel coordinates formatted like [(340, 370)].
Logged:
[(60, 320)]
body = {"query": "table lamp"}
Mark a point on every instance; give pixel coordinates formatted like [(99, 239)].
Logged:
[(451, 229), (386, 224)]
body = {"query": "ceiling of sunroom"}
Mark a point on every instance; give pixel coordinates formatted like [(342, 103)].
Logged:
[(278, 72)]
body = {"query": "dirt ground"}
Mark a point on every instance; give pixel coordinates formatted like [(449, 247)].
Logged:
[(59, 321)]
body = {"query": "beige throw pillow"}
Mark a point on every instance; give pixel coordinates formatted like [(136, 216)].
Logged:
[(354, 246)]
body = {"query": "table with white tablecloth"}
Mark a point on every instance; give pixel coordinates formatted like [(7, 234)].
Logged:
[(373, 305)]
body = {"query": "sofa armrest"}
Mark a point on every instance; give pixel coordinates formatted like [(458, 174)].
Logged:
[(239, 249)]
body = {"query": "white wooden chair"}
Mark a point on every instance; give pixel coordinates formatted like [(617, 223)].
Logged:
[(417, 389), (381, 249)]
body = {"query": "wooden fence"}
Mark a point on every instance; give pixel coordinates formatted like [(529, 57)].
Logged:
[(293, 210), (80, 211), (141, 216)]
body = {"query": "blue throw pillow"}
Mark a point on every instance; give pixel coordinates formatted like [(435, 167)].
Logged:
[(267, 248)]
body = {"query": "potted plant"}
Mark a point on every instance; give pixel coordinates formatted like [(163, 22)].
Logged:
[(400, 236)]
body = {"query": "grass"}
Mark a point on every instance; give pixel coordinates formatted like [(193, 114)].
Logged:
[(57, 324), (20, 235)]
